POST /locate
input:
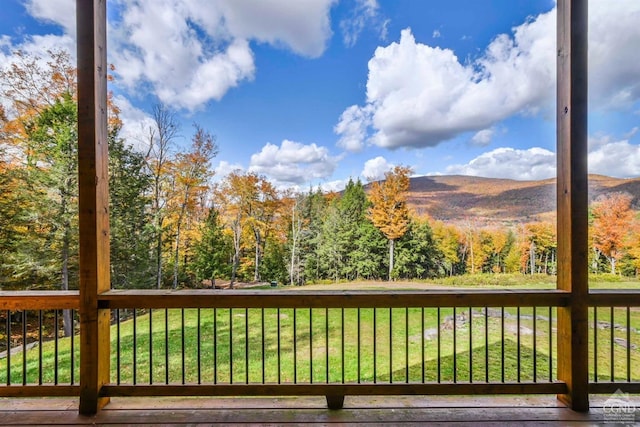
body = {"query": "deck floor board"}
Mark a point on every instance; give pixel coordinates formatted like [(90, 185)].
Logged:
[(289, 411)]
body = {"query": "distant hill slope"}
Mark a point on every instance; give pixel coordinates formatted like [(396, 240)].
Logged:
[(458, 198)]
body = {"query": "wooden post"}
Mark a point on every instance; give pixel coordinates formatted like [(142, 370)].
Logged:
[(93, 201), (573, 366)]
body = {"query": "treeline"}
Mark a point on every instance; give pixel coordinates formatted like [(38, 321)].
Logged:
[(171, 226)]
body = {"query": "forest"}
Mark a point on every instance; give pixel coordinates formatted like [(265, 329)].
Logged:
[(173, 225)]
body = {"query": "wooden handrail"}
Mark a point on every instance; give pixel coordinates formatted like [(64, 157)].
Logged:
[(51, 300), (331, 299), (614, 298), (39, 300)]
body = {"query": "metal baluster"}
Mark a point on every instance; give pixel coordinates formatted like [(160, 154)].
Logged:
[(182, 343), (230, 346), (358, 350), (422, 341), (263, 342), (486, 344), (279, 354), (295, 346), (391, 345), (215, 346), (612, 352), (246, 345), (455, 352), (118, 347), (40, 325), (375, 347), (342, 343), (518, 351), (150, 345), (628, 345), (326, 341), (535, 346), (135, 346), (55, 348), (166, 346), (311, 345), (24, 347), (502, 343), (439, 346), (406, 344), (470, 345), (199, 346)]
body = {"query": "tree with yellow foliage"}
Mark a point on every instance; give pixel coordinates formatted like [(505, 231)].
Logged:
[(389, 211)]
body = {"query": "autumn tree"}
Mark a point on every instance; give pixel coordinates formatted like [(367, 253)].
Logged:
[(447, 238), (538, 247), (229, 197), (612, 217), (261, 209), (189, 175), (389, 211), (293, 205), (160, 140)]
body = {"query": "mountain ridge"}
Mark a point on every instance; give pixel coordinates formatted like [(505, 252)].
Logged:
[(462, 198)]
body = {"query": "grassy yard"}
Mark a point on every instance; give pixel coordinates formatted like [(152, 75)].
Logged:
[(335, 345)]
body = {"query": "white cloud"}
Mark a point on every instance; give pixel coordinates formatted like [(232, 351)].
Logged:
[(135, 123), (420, 96), (374, 169), (436, 34), (293, 163), (531, 164), (365, 12), (61, 12), (607, 156), (352, 128), (613, 50), (302, 26), (483, 137), (620, 159), (224, 168), (188, 52), (334, 186)]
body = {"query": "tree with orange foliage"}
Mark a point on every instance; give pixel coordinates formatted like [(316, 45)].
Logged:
[(612, 217), (249, 203), (389, 211), (190, 172)]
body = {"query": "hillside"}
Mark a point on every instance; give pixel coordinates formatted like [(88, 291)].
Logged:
[(488, 200)]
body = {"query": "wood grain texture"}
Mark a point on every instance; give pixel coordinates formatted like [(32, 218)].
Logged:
[(93, 180), (573, 200), (39, 300), (331, 299)]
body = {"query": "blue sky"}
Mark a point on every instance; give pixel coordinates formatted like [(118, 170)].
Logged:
[(313, 92)]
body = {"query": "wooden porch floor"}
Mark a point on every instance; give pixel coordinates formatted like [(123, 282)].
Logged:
[(365, 411)]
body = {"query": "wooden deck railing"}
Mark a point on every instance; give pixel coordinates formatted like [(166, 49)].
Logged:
[(97, 304), (334, 344)]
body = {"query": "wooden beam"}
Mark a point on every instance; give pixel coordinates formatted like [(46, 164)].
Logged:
[(48, 390), (93, 180), (369, 389), (614, 298), (572, 201), (331, 299), (39, 300)]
